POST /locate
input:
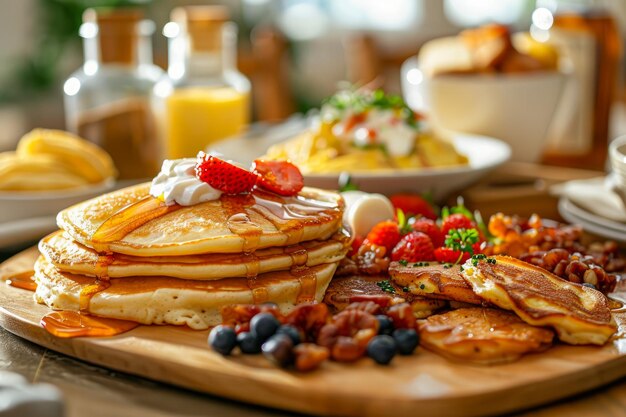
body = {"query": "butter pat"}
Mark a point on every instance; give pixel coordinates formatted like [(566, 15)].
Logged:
[(364, 210)]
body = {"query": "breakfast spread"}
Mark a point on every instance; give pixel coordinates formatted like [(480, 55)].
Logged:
[(305, 275), (53, 160), (362, 131)]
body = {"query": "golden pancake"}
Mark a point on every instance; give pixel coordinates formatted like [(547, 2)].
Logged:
[(580, 315), (344, 290), (69, 256), (484, 336), (434, 281), (131, 222), (163, 300)]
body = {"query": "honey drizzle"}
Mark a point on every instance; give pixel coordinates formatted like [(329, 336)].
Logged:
[(127, 219), (87, 293), (23, 280), (308, 280), (67, 324), (101, 268)]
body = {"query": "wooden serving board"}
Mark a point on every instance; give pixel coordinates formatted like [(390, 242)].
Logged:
[(423, 384)]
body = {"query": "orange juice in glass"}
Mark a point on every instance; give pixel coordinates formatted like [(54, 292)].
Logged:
[(198, 116), (203, 98)]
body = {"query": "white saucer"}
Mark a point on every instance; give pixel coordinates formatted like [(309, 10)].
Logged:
[(590, 222)]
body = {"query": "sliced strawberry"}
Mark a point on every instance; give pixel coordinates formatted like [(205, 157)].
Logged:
[(428, 227), (413, 205), (414, 247), (451, 256), (456, 221), (386, 234), (281, 177), (223, 175)]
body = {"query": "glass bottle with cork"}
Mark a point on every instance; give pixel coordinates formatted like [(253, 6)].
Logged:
[(203, 98), (107, 100)]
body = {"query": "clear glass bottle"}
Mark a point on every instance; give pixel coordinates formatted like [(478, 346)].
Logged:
[(108, 100), (203, 98)]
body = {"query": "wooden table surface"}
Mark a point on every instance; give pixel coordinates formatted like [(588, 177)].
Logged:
[(93, 391)]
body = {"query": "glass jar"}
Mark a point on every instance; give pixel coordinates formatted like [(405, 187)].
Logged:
[(203, 98), (108, 100)]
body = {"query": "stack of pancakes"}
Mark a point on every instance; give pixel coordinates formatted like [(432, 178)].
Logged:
[(126, 255)]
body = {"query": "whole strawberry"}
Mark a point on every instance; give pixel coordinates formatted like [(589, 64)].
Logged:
[(413, 205), (386, 234), (223, 175), (413, 247), (456, 221), (429, 227)]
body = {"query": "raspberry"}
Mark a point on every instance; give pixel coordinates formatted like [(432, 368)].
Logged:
[(386, 234)]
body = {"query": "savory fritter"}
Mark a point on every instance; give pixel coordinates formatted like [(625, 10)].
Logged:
[(434, 281), (579, 314), (344, 290), (483, 336)]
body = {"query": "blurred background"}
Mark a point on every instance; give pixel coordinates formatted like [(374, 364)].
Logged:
[(302, 48)]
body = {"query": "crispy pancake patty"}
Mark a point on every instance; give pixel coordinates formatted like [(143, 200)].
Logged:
[(580, 315)]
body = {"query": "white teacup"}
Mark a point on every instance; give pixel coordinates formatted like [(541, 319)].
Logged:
[(617, 155)]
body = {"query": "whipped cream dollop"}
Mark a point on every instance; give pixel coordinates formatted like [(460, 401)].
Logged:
[(379, 127), (177, 183)]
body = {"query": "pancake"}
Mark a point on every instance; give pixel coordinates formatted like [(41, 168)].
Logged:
[(344, 290), (70, 256), (131, 222), (580, 315), (483, 336), (163, 300), (434, 281)]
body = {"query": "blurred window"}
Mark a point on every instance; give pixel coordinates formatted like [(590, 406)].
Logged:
[(466, 13)]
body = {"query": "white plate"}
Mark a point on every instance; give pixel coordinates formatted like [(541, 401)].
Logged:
[(484, 154), (17, 233), (574, 214)]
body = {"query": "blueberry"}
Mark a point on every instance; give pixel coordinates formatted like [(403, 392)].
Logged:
[(223, 339), (291, 331), (406, 340), (264, 325), (382, 349), (586, 284), (248, 343), (385, 324), (279, 350)]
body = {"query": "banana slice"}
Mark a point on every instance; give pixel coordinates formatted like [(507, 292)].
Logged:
[(35, 172), (79, 156)]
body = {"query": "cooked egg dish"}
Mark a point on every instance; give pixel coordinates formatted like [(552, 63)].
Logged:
[(361, 131)]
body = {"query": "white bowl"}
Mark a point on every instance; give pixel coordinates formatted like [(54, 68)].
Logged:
[(484, 154), (617, 155), (16, 205), (517, 108)]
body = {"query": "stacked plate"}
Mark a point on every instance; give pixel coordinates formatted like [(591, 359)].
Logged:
[(592, 204)]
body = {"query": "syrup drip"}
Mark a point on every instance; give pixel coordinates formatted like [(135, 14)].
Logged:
[(87, 293), (308, 285), (23, 280), (101, 269), (241, 225), (127, 219), (68, 324)]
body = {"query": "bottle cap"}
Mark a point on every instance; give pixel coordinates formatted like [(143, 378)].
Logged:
[(203, 24), (117, 30)]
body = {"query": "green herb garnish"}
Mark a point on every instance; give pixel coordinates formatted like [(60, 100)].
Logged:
[(386, 286), (403, 262), (417, 264), (405, 289)]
